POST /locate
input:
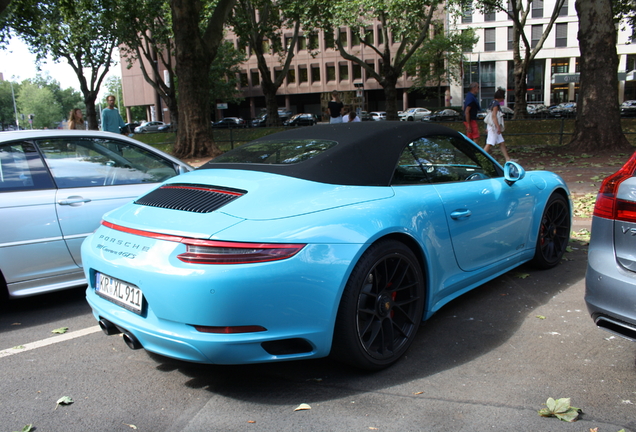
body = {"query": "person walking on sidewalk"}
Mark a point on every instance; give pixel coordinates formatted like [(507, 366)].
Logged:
[(471, 108), (494, 122)]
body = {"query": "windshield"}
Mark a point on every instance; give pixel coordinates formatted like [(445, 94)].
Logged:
[(276, 152)]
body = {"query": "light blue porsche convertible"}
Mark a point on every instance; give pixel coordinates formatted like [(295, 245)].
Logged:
[(333, 240)]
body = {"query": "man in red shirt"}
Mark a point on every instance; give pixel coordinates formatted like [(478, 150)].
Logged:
[(471, 108)]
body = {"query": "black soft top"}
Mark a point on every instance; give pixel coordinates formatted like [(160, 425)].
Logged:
[(366, 153)]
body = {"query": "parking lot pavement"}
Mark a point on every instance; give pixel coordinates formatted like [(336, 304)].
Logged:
[(487, 361)]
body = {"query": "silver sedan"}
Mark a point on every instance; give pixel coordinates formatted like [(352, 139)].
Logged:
[(54, 188)]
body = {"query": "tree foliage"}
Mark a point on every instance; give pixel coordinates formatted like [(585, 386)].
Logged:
[(145, 32), (439, 60), (41, 103), (79, 31), (405, 22), (260, 24), (7, 113), (198, 33), (522, 48)]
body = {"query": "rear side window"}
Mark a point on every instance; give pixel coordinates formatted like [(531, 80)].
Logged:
[(85, 162), (276, 152), (21, 168), (443, 159)]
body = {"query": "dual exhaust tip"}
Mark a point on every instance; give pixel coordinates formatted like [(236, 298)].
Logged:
[(111, 329)]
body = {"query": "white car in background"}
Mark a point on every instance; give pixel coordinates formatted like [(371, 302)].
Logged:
[(378, 115), (414, 114)]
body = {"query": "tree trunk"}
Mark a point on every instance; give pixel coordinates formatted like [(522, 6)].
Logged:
[(521, 89), (598, 122), (269, 91), (193, 61), (91, 112)]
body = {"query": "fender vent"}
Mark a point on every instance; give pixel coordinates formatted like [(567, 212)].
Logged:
[(190, 197)]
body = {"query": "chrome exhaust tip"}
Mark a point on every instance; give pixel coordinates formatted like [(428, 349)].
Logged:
[(131, 341), (108, 327)]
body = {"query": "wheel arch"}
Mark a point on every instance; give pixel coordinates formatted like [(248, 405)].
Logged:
[(420, 254)]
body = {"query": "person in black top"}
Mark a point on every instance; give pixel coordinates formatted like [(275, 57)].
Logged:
[(335, 108)]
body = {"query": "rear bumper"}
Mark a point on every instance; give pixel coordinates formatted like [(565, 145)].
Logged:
[(610, 289)]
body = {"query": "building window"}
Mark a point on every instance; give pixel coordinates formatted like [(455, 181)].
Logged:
[(331, 72), (560, 65), (537, 32), (343, 71), (489, 39), (302, 74), (564, 9), (343, 38), (315, 73), (371, 64), (631, 62), (291, 75), (561, 35), (288, 41), (490, 16), (357, 71), (243, 80), (265, 46), (368, 36), (467, 16), (380, 37), (355, 38), (467, 48), (329, 40), (302, 43), (256, 78), (537, 9), (511, 38), (277, 73), (313, 41)]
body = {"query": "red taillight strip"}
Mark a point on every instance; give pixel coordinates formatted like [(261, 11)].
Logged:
[(230, 330), (221, 191), (253, 252), (606, 203)]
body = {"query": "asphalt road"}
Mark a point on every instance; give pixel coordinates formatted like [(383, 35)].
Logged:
[(487, 361)]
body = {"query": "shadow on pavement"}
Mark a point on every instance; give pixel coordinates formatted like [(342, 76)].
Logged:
[(462, 331)]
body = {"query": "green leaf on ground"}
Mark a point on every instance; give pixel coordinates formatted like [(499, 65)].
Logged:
[(60, 330), (541, 317), (64, 400), (26, 428), (561, 409)]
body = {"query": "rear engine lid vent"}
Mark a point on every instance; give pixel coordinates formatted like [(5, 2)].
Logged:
[(190, 197)]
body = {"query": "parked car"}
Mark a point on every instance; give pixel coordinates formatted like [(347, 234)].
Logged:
[(628, 108), (365, 116), (538, 110), (55, 185), (230, 122), (129, 127), (304, 119), (378, 115), (284, 114), (610, 281), (260, 121), (294, 246), (166, 128), (443, 115), (414, 114), (150, 126), (563, 110), (507, 112)]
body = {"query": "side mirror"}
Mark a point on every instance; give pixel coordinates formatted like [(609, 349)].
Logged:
[(513, 172)]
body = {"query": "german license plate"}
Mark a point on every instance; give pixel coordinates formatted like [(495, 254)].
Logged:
[(119, 292)]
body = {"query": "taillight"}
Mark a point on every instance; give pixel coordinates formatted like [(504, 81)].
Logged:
[(607, 205), (220, 252), (200, 251)]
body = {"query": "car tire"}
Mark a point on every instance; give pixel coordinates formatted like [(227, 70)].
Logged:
[(554, 233), (410, 119), (381, 307)]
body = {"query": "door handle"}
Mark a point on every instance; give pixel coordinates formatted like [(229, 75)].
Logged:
[(459, 214), (74, 201)]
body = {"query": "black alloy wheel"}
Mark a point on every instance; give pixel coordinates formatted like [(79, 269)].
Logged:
[(381, 307), (554, 232)]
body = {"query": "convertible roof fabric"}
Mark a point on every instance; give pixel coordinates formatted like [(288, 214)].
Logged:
[(366, 154)]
